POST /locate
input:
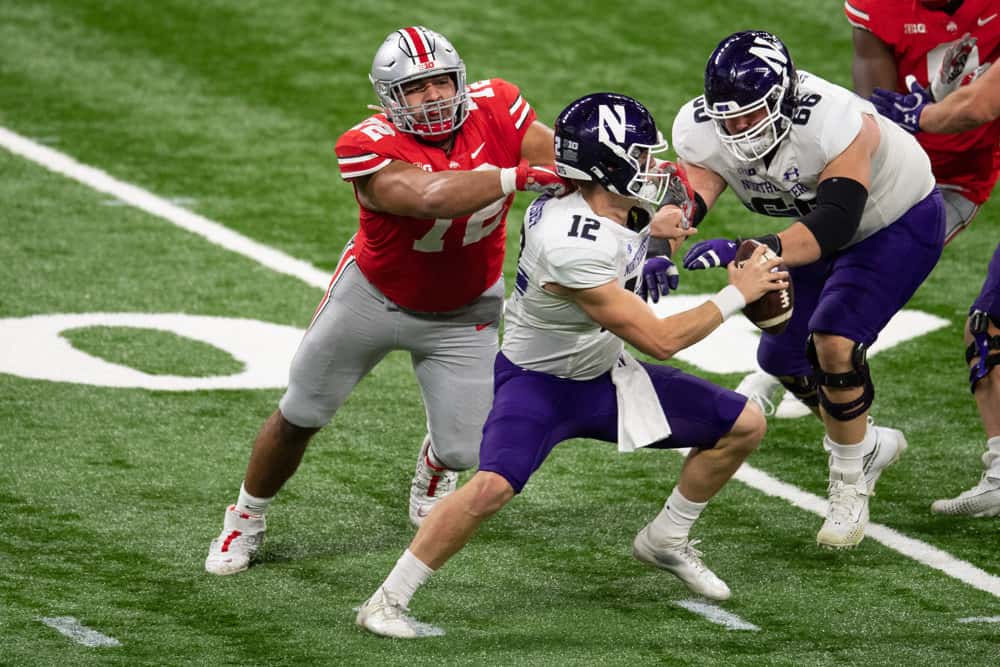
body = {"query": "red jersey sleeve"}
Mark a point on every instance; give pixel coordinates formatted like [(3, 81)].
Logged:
[(367, 147), (879, 17)]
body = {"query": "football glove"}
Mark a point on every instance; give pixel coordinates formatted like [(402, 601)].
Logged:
[(710, 253), (541, 178), (903, 110), (659, 276), (954, 68)]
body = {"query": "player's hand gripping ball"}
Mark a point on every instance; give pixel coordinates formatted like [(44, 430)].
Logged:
[(772, 311)]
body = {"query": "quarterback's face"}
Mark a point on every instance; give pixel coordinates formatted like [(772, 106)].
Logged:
[(739, 124)]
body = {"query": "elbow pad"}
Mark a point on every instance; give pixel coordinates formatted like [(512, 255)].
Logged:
[(840, 202)]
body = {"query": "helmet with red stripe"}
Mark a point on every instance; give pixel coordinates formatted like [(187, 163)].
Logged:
[(413, 53)]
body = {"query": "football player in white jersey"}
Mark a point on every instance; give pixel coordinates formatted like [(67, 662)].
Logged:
[(563, 371), (867, 228)]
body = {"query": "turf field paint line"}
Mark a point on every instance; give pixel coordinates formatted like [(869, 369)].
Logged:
[(717, 615), (980, 619), (101, 181), (909, 547), (280, 262), (81, 634)]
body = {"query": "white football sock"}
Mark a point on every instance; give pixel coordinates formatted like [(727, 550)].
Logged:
[(252, 504), (849, 459), (406, 577), (991, 459), (674, 521)]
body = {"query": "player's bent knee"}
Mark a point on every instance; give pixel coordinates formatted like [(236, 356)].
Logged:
[(748, 430), (859, 377), (486, 493)]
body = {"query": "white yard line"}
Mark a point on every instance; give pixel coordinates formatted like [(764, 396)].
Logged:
[(980, 619), (78, 632), (282, 263), (717, 615), (135, 196)]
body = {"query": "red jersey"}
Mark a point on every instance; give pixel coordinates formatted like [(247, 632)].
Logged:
[(438, 265), (918, 38)]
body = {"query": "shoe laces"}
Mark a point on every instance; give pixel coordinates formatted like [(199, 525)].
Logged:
[(843, 497), (692, 555)]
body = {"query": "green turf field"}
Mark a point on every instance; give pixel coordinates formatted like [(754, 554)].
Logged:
[(109, 495)]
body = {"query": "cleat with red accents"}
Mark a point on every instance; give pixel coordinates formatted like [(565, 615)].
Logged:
[(431, 483), (241, 538)]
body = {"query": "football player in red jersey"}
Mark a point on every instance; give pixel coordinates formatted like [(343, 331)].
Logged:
[(968, 107), (434, 172), (942, 45)]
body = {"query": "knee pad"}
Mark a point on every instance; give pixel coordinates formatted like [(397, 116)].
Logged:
[(803, 386), (981, 346), (859, 377)]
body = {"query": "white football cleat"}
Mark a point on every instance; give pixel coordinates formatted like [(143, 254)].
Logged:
[(430, 484), (890, 443), (760, 387), (684, 562), (981, 500), (383, 615), (241, 538), (791, 407), (847, 511)]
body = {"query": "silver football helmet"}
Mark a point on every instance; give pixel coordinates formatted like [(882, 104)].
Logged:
[(415, 53)]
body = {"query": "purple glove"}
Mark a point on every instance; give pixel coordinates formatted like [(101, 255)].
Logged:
[(903, 110), (659, 276), (710, 253)]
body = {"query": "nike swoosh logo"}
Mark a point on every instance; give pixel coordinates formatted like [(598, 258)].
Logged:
[(480, 327), (475, 153), (986, 20)]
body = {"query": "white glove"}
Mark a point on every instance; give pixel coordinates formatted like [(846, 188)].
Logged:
[(954, 68)]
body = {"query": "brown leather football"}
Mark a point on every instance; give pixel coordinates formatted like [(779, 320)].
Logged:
[(772, 311)]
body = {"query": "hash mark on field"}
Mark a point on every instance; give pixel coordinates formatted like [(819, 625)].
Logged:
[(717, 615), (980, 619), (278, 261), (81, 634)]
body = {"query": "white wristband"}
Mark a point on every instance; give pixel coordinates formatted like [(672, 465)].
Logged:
[(508, 180), (729, 300)]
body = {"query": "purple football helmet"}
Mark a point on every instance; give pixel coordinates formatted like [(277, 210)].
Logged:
[(750, 72), (612, 139)]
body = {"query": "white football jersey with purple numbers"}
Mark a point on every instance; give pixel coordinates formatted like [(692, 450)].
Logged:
[(564, 242), (827, 120)]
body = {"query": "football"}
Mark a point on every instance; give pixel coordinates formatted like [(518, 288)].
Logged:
[(772, 311)]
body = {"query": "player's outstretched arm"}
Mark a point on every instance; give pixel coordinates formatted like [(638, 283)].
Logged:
[(627, 316), (406, 190), (873, 65), (968, 107)]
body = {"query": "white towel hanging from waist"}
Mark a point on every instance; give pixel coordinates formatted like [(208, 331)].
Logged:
[(641, 420)]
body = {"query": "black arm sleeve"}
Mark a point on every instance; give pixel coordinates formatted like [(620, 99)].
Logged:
[(700, 209), (839, 205)]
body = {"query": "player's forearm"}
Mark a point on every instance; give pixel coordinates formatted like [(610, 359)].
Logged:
[(664, 338), (959, 112), (454, 194)]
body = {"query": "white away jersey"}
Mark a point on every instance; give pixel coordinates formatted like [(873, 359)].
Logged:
[(563, 241), (827, 121)]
